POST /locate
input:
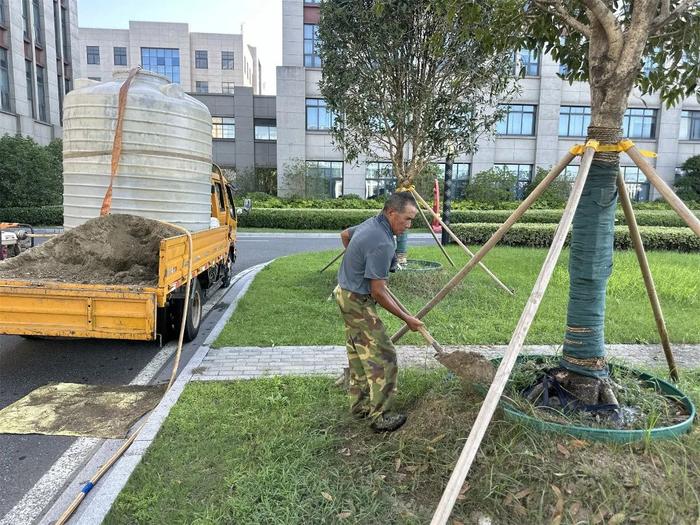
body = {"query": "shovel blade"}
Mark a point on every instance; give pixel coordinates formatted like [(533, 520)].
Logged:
[(468, 366)]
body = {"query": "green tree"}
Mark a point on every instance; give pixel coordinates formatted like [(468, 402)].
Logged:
[(688, 186), (493, 186), (419, 75), (556, 194)]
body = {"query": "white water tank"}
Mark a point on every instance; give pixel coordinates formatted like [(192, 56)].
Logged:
[(165, 165)]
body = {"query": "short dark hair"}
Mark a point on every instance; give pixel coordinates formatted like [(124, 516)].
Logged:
[(399, 200)]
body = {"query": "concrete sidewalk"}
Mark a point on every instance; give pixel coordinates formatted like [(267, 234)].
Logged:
[(247, 362)]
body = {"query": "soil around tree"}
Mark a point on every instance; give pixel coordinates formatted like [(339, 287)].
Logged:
[(114, 249)]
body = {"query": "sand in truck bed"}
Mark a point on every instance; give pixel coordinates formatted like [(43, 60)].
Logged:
[(114, 249)]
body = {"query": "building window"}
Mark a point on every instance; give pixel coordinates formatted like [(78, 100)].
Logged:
[(227, 60), (4, 81), (201, 86), (523, 172), (93, 54), (119, 56), (201, 59), (68, 85), (324, 179), (223, 127), (56, 27), (96, 79), (520, 120), (460, 179), (574, 121), (636, 182), (527, 62), (38, 33), (25, 19), (227, 88), (265, 129), (3, 15), (639, 123), (64, 34), (42, 93), (690, 125), (30, 86), (311, 57), (379, 179), (313, 2), (164, 61), (318, 116)]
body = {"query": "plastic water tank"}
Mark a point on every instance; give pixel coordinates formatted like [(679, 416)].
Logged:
[(165, 166)]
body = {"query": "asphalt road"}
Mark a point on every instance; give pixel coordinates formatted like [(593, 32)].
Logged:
[(26, 364)]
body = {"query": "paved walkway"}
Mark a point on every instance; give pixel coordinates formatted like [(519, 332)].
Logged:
[(247, 362)]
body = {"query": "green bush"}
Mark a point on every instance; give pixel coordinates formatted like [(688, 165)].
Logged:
[(556, 194), (301, 219), (688, 186), (494, 185), (36, 216), (541, 236)]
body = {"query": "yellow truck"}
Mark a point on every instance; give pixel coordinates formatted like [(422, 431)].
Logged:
[(49, 308)]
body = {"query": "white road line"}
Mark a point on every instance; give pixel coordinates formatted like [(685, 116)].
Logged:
[(30, 507)]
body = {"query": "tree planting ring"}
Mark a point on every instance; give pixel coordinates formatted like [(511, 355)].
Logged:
[(417, 265)]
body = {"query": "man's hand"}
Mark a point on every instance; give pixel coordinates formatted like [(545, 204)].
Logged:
[(413, 323)]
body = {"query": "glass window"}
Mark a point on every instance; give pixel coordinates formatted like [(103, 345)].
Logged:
[(324, 179), (265, 129), (68, 85), (164, 61), (201, 86), (524, 174), (119, 56), (38, 33), (520, 120), (318, 116), (227, 88), (379, 179), (4, 81), (227, 60), (30, 86), (201, 59), (25, 18), (64, 33), (42, 93), (311, 57), (460, 179), (223, 127), (574, 121), (636, 182), (639, 123), (528, 62), (93, 54), (56, 26), (690, 125), (3, 15)]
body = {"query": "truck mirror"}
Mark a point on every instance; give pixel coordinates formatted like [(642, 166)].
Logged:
[(247, 205)]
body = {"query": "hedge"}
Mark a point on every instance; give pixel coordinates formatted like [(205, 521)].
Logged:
[(36, 216), (541, 236)]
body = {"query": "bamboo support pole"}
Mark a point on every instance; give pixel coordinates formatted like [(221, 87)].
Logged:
[(423, 330), (646, 275), (430, 229), (488, 407), (667, 193), (497, 236), (334, 259), (420, 200)]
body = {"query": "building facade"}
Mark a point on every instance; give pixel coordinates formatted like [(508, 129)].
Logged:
[(38, 63), (547, 118), (199, 62)]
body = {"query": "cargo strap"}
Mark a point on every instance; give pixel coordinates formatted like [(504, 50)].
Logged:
[(117, 145), (623, 145)]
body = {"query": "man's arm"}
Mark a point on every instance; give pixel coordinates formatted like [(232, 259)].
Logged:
[(380, 294)]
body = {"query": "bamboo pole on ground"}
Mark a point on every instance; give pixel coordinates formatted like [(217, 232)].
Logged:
[(497, 236), (667, 193), (488, 407), (646, 275), (420, 201), (334, 259), (430, 229)]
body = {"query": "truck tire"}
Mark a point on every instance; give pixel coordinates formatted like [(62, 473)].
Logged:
[(194, 312), (228, 272)]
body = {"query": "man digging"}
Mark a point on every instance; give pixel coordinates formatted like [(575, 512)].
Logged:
[(361, 285)]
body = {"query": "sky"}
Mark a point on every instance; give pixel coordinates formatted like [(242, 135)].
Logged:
[(261, 20)]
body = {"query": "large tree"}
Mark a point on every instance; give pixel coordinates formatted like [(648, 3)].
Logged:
[(608, 43), (409, 78)]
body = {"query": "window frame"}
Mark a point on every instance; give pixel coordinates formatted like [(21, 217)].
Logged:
[(5, 94), (639, 189), (201, 59), (201, 87), (316, 106), (521, 182), (225, 126), (627, 122), (311, 58), (383, 181), (334, 191), (691, 130), (585, 117), (228, 58), (267, 124), (90, 51), (511, 114), (125, 55)]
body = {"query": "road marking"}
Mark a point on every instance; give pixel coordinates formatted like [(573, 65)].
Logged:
[(44, 491)]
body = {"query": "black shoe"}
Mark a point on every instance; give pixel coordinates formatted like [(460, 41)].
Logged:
[(388, 422)]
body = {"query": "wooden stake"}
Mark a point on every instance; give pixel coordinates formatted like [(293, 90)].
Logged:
[(430, 229), (497, 236), (420, 200), (423, 330), (667, 193), (334, 259), (454, 485), (646, 274)]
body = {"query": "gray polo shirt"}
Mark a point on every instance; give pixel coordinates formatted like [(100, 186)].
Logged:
[(368, 255)]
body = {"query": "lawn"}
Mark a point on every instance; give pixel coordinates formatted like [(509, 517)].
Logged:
[(288, 303), (285, 451)]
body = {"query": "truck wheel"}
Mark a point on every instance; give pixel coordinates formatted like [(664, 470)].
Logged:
[(228, 272), (194, 312)]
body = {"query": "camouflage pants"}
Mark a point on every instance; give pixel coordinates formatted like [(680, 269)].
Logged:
[(371, 354)]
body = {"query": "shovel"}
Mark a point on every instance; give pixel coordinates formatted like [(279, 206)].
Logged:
[(471, 367)]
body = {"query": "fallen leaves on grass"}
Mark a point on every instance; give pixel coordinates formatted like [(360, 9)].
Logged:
[(327, 496)]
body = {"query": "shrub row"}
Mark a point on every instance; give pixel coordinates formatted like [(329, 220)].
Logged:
[(541, 235), (36, 216), (644, 217)]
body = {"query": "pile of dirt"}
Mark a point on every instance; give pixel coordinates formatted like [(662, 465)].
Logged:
[(114, 249)]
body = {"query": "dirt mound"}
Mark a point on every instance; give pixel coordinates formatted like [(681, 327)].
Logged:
[(470, 366), (114, 249)]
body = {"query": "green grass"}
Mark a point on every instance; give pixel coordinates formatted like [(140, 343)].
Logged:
[(286, 451), (288, 304)]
